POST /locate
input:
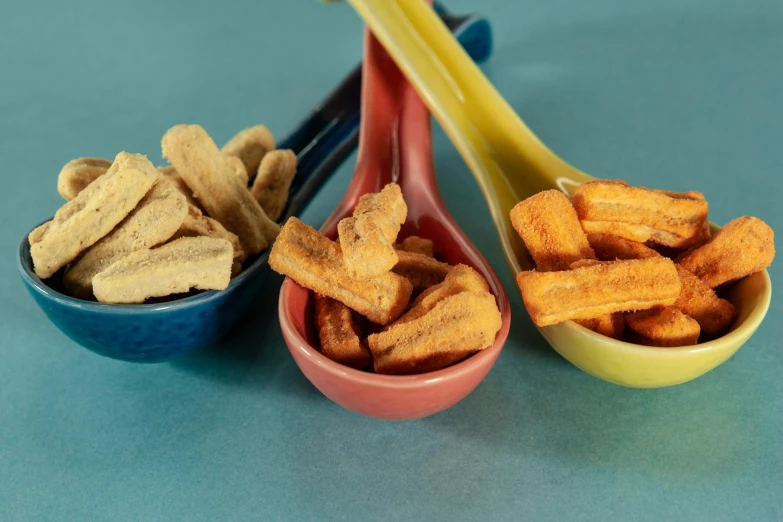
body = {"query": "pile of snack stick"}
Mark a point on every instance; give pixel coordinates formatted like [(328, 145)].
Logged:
[(635, 263), (130, 231), (391, 307)]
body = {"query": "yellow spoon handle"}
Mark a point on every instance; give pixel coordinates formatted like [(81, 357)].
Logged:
[(454, 88)]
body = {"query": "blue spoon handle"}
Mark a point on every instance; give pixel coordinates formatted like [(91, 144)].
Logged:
[(328, 135)]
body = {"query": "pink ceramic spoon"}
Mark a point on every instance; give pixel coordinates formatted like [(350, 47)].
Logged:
[(394, 145)]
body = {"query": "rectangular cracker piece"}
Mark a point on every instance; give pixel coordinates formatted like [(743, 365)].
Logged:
[(641, 214), (456, 327), (250, 146), (202, 263), (461, 278), (93, 213), (744, 246), (215, 184), (664, 327), (77, 174), (422, 271), (611, 325), (592, 291), (154, 220), (340, 334), (197, 224), (367, 238), (609, 247), (550, 228), (366, 251), (271, 186), (315, 262), (699, 301), (417, 245)]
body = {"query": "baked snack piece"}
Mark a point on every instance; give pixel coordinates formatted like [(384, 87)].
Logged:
[(203, 263), (340, 333), (665, 327), (92, 214), (77, 174), (609, 247), (367, 238), (205, 170), (271, 186), (154, 220), (461, 278), (550, 228), (641, 214), (743, 247), (417, 245), (250, 146), (591, 291), (315, 262), (197, 224), (456, 327), (421, 270), (700, 302)]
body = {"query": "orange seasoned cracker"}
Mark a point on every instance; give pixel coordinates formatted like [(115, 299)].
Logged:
[(550, 228)]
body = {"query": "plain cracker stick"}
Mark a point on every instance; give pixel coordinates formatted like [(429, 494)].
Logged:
[(198, 160), (250, 146), (93, 213), (197, 224), (271, 186), (203, 263), (77, 174), (156, 218)]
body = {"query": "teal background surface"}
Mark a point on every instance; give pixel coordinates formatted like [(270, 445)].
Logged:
[(675, 94)]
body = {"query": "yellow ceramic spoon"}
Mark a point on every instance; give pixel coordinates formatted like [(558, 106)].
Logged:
[(510, 163)]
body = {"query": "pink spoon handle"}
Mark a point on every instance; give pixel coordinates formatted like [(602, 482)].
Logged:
[(378, 161), (395, 144)]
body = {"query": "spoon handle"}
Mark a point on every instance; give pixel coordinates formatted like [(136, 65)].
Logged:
[(454, 88), (507, 160), (328, 135)]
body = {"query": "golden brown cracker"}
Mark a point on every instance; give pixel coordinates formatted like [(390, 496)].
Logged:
[(316, 263), (417, 245), (453, 329), (593, 291), (340, 333), (664, 327), (461, 278), (550, 229), (641, 214), (699, 301), (422, 271), (367, 238)]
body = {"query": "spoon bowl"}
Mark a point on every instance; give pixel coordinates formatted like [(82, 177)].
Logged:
[(510, 164), (158, 332), (394, 146)]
